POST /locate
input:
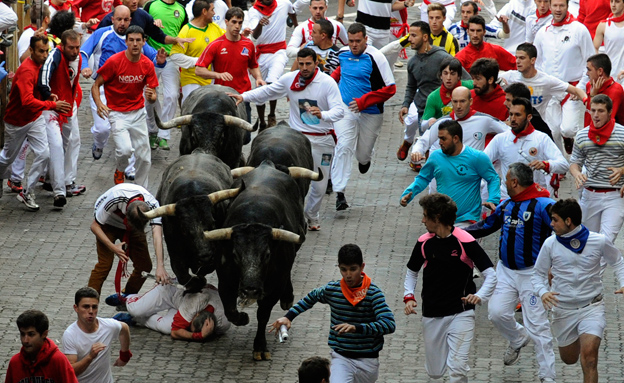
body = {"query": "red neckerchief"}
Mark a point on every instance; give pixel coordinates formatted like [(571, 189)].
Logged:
[(470, 114), (614, 19), (266, 10), (533, 191), (209, 308), (600, 135), (30, 27), (566, 20), (443, 95), (299, 83), (542, 16), (604, 86), (357, 294), (66, 6), (461, 24), (527, 130)]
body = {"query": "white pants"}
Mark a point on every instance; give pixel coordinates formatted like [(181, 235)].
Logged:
[(357, 133), (101, 129), (378, 37), (322, 147), (14, 137), (64, 144), (186, 90), (156, 308), (130, 131), (566, 120), (19, 165), (447, 344), (603, 212), (569, 325), (347, 370), (169, 78), (511, 286), (412, 124), (391, 51), (451, 9), (272, 65)]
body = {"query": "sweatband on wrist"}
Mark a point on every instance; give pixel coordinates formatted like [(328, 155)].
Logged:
[(198, 336), (408, 297), (125, 356)]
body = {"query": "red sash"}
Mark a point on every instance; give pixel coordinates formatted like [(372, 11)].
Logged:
[(269, 48)]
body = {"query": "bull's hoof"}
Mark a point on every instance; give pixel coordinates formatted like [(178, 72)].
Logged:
[(242, 320), (261, 355), (285, 304)]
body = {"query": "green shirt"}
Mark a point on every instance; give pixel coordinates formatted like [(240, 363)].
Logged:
[(173, 17), (435, 108)]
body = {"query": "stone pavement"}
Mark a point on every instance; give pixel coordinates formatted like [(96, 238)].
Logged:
[(46, 256)]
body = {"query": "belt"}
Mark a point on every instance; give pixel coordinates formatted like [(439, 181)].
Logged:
[(601, 190), (329, 133), (596, 299)]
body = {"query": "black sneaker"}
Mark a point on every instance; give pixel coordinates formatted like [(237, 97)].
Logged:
[(341, 202), (364, 168), (47, 186), (60, 201), (330, 187)]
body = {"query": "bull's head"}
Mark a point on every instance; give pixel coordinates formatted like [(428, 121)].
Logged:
[(252, 246)]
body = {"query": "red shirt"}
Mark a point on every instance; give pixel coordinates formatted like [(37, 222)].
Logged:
[(470, 54), (492, 103), (124, 81), (94, 9), (592, 12), (24, 105), (234, 57), (615, 92)]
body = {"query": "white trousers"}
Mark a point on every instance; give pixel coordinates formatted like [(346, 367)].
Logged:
[(511, 286), (603, 212), (130, 131), (447, 345), (64, 144), (14, 137), (347, 370), (412, 124), (169, 79), (101, 129), (272, 65), (322, 153), (186, 90), (378, 37), (391, 51), (357, 133), (564, 121), (19, 165), (451, 9), (156, 308)]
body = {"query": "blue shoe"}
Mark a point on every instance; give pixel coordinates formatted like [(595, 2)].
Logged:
[(124, 317), (115, 300)]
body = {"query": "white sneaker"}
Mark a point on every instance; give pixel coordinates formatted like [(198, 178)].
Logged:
[(28, 200), (512, 354), (544, 380)]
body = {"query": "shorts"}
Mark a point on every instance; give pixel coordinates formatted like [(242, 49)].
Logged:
[(568, 325)]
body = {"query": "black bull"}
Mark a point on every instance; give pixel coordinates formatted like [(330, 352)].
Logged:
[(264, 229), (212, 121)]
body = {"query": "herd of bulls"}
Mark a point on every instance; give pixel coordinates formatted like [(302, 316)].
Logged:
[(245, 223)]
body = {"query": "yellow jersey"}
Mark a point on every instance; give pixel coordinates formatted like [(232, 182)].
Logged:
[(203, 37)]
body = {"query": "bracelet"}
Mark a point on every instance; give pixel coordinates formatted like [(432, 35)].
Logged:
[(405, 4), (125, 356), (408, 297), (198, 336)]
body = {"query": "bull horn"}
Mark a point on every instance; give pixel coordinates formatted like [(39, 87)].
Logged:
[(220, 195), (299, 172), (238, 123), (239, 172), (218, 234), (285, 235), (173, 123), (160, 211)]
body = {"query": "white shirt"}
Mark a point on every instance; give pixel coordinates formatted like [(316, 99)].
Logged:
[(533, 24), (24, 41), (192, 304), (474, 129), (275, 31), (537, 146), (8, 18), (543, 87), (220, 8), (303, 34), (614, 48), (563, 51), (576, 276), (77, 342), (110, 207), (322, 92), (517, 12)]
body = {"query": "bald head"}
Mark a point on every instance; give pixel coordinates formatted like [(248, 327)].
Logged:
[(461, 100), (121, 19)]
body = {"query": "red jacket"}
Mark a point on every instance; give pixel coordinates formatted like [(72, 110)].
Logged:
[(592, 12), (492, 103), (54, 77), (470, 54), (51, 366), (24, 104), (615, 92)]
